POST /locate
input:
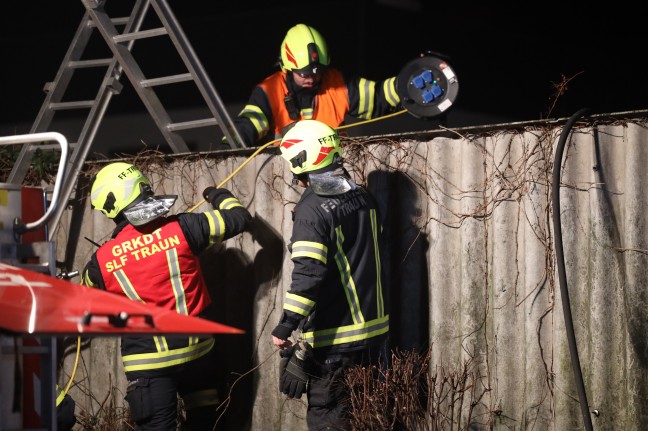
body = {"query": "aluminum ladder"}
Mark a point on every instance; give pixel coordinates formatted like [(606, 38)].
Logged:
[(122, 61), (120, 44)]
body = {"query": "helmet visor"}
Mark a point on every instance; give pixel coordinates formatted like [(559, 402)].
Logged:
[(310, 71), (149, 209), (330, 183)]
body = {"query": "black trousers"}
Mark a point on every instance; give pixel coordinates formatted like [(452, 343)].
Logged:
[(153, 400), (327, 394)]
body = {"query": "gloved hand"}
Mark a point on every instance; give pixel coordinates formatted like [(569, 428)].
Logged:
[(293, 378), (215, 196)]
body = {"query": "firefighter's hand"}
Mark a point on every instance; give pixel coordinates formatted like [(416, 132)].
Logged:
[(293, 378), (215, 196), (284, 344)]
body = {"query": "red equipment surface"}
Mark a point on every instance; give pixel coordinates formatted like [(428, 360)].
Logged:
[(38, 304)]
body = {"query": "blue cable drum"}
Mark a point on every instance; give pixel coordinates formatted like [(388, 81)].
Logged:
[(427, 86)]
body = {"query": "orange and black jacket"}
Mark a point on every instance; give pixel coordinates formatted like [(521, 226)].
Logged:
[(157, 263), (337, 295), (266, 114)]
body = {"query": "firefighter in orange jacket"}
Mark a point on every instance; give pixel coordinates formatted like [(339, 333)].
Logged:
[(153, 258), (307, 87)]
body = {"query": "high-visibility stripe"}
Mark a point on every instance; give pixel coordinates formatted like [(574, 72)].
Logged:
[(176, 282), (314, 250), (298, 304), (367, 91), (60, 395), (85, 279), (379, 291), (127, 286), (257, 117), (152, 361), (229, 203), (347, 278), (161, 344), (307, 113), (391, 95), (216, 226), (348, 333)]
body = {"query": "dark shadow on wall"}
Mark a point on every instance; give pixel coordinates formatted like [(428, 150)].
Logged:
[(233, 280), (407, 268), (635, 298)]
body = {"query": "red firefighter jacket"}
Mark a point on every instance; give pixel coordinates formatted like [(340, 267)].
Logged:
[(158, 263)]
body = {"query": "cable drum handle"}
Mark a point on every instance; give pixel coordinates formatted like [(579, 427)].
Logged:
[(560, 262)]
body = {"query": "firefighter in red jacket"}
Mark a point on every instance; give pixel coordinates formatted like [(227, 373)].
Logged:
[(153, 258), (307, 87), (338, 300)]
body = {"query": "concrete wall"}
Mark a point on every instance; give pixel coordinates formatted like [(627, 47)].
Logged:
[(472, 270)]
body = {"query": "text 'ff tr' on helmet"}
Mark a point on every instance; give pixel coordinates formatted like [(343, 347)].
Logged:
[(303, 50), (311, 147), (117, 187)]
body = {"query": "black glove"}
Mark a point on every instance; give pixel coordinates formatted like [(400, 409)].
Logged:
[(65, 418), (293, 379), (215, 196)]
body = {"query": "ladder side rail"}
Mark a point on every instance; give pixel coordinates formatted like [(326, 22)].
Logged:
[(54, 94), (75, 165), (197, 70), (110, 86), (136, 76)]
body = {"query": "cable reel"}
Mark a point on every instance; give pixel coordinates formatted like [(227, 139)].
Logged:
[(427, 86)]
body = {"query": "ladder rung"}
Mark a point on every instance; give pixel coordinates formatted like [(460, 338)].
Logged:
[(61, 106), (116, 21), (140, 35), (120, 21), (163, 80), (98, 62), (192, 124)]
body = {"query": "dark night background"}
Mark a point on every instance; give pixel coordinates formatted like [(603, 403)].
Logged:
[(508, 56)]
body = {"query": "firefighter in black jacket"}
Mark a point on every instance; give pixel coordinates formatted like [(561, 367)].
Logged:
[(337, 297), (154, 259)]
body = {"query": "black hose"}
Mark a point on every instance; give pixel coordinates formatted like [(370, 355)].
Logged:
[(560, 262)]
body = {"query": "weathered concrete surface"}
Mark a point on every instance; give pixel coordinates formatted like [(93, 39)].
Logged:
[(473, 272)]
